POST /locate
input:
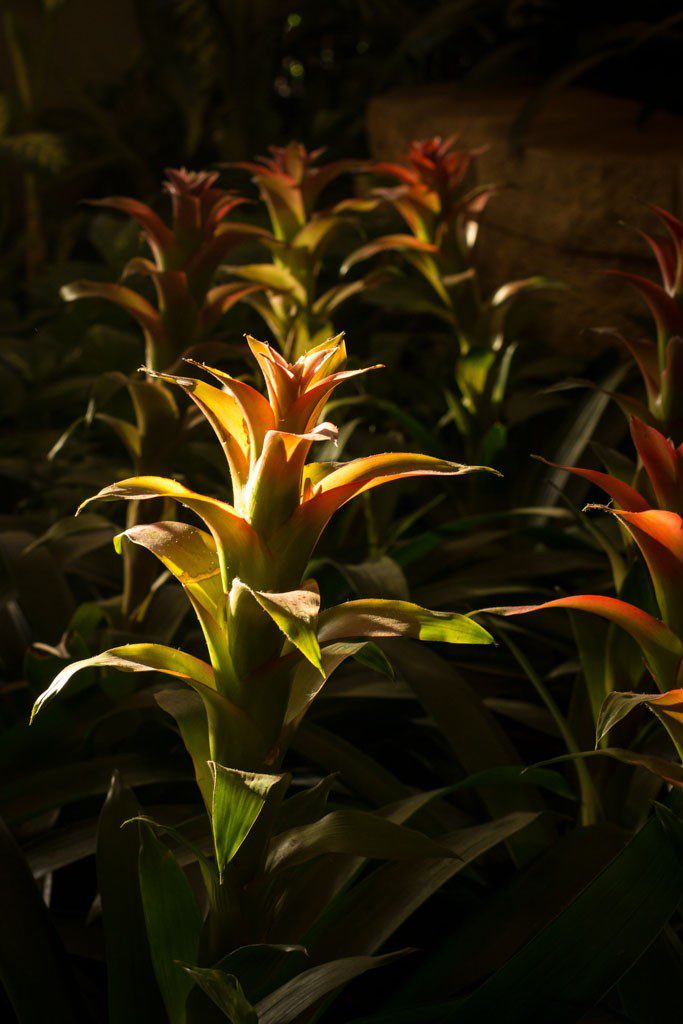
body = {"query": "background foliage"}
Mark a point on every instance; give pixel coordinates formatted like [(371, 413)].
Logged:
[(414, 825)]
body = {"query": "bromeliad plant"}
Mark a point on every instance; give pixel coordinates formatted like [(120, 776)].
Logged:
[(660, 360), (650, 511), (440, 205), (185, 258), (288, 294), (270, 650)]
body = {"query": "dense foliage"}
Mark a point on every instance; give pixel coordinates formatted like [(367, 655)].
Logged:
[(240, 813)]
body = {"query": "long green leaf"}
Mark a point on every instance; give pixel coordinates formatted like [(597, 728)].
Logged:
[(651, 991), (577, 436), (574, 961), (286, 1003), (667, 770), (187, 709), (360, 771), (356, 832), (24, 798), (475, 737), (376, 617), (263, 967), (385, 899), (581, 954), (173, 921), (229, 726), (133, 994), (134, 658), (478, 945)]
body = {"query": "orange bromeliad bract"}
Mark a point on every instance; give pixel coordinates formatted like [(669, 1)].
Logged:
[(270, 647)]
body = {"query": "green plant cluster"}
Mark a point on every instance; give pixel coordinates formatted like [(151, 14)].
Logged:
[(299, 750)]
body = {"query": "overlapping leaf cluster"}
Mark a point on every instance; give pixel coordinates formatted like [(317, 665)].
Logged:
[(324, 812), (651, 516), (649, 511), (660, 359), (288, 296), (185, 258), (441, 205), (270, 646)]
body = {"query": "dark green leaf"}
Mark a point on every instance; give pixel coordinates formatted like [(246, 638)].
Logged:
[(651, 991), (46, 790), (475, 737), (386, 898), (262, 968), (225, 991), (238, 799), (569, 965), (305, 807), (173, 921), (374, 657), (350, 831), (286, 1003), (479, 945), (133, 994)]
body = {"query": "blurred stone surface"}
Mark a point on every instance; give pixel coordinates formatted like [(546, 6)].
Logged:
[(586, 166)]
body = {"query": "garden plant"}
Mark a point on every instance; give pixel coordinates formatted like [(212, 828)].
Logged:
[(271, 774)]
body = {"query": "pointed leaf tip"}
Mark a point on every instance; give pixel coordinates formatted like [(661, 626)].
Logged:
[(295, 613), (238, 799)]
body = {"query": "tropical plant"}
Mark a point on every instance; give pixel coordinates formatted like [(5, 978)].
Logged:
[(271, 649), (588, 940), (660, 360), (440, 204), (288, 295), (651, 518), (186, 256), (642, 645), (399, 812)]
